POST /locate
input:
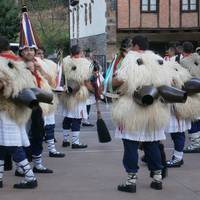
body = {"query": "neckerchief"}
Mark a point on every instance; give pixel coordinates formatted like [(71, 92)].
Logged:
[(37, 77), (10, 56)]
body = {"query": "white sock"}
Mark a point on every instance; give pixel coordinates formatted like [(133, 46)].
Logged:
[(37, 161), (178, 155), (131, 180), (66, 135), (51, 146), (1, 169), (194, 135), (75, 137), (157, 175), (29, 176), (19, 168)]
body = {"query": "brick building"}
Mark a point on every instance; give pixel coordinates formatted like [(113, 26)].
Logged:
[(162, 21)]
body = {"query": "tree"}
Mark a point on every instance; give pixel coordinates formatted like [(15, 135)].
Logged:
[(9, 19), (50, 21)]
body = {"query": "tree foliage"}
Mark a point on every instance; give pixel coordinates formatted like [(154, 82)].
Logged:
[(50, 21), (9, 19)]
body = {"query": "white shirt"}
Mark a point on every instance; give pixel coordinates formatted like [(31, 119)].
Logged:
[(11, 133), (77, 113), (142, 136)]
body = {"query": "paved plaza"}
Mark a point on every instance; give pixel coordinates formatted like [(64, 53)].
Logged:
[(94, 173)]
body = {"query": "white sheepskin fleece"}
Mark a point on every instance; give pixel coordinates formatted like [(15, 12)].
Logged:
[(77, 69), (50, 68), (192, 64), (14, 78), (134, 117), (48, 108), (190, 109), (179, 74), (126, 111), (82, 72), (149, 73)]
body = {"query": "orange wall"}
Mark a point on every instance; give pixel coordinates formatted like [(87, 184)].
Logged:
[(123, 14), (135, 13), (175, 13), (168, 18), (164, 13), (149, 20), (189, 20)]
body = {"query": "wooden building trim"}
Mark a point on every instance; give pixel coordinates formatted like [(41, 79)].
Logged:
[(154, 30), (140, 13), (117, 11), (129, 13), (170, 23), (158, 13), (180, 14), (198, 13)]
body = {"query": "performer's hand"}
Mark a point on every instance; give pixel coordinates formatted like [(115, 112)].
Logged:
[(30, 66), (89, 86), (101, 88), (116, 83), (37, 66)]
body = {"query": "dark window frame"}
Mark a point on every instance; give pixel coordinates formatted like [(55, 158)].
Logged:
[(114, 5), (73, 23), (90, 13), (189, 7), (86, 14), (149, 7)]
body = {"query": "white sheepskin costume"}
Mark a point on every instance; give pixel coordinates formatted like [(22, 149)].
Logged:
[(50, 68), (190, 109), (80, 70), (126, 112), (15, 77), (192, 64)]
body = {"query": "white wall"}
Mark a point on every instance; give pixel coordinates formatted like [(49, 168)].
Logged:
[(98, 25)]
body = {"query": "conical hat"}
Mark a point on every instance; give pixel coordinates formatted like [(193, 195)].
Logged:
[(26, 37)]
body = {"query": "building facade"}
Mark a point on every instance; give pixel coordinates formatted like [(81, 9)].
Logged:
[(88, 25), (162, 21), (100, 25)]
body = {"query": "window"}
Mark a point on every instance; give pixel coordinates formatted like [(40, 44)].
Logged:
[(113, 4), (90, 13), (149, 5), (189, 5), (73, 22), (86, 14)]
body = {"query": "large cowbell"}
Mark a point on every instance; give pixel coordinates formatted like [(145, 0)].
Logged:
[(172, 94), (145, 95), (192, 86)]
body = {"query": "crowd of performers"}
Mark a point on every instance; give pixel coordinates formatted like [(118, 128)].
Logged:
[(28, 107), (151, 97), (154, 97)]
